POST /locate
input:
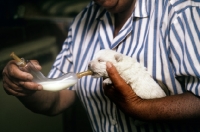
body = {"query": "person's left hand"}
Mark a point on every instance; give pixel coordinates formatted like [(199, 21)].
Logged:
[(120, 92), (175, 108)]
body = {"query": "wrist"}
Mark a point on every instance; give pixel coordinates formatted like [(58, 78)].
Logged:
[(140, 109), (132, 105)]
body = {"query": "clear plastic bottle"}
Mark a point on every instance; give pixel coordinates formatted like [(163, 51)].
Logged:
[(50, 84)]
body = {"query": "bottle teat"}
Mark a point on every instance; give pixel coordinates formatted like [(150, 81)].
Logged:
[(85, 73), (20, 62)]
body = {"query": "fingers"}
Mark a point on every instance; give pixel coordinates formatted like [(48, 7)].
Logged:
[(17, 90), (12, 71), (17, 82), (10, 91), (119, 91), (113, 74), (116, 79), (108, 89), (36, 64)]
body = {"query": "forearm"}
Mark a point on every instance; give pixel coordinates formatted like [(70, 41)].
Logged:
[(40, 102), (48, 103), (184, 107)]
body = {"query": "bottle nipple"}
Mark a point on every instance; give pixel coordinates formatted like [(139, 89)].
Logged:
[(85, 73), (19, 62)]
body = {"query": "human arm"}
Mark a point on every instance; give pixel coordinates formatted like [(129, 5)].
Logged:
[(19, 84), (183, 107)]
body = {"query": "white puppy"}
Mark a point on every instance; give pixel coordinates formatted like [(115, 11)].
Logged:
[(130, 70)]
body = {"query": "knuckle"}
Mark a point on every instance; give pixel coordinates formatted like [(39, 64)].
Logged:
[(14, 92), (9, 91), (28, 85), (3, 72), (21, 83), (36, 64), (119, 85), (11, 71)]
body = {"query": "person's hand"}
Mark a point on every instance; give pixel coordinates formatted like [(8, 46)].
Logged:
[(119, 91), (19, 83)]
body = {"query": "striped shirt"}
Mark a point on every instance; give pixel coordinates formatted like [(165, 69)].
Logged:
[(163, 35)]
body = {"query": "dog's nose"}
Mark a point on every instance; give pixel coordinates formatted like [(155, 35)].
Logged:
[(89, 65)]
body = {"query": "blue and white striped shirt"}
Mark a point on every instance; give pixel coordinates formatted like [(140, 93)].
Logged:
[(163, 35)]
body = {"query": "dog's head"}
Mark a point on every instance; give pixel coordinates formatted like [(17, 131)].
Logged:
[(98, 64)]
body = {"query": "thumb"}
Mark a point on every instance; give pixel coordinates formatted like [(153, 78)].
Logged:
[(117, 81), (113, 74)]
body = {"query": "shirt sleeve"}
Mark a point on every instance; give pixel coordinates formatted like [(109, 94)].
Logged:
[(63, 63), (184, 40)]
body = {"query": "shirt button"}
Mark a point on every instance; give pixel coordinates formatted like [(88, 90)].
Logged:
[(113, 122)]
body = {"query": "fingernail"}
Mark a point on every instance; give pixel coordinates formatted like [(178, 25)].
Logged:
[(21, 83), (109, 64), (40, 87), (29, 77)]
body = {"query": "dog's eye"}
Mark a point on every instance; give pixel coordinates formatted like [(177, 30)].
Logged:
[(100, 60)]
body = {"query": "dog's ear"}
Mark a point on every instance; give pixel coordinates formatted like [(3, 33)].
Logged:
[(118, 57)]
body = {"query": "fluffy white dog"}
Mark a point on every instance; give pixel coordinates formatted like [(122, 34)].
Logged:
[(130, 70)]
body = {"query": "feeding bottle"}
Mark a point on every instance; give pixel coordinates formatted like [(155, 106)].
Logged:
[(50, 84)]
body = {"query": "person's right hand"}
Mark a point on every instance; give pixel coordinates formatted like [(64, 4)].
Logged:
[(17, 82)]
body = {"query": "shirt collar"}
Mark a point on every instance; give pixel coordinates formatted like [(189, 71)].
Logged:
[(141, 9)]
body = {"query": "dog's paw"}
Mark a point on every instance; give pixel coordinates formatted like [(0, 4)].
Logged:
[(107, 81)]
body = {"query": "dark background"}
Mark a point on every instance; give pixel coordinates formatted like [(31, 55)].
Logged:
[(36, 29)]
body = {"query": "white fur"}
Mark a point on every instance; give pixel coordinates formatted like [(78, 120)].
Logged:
[(130, 70)]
